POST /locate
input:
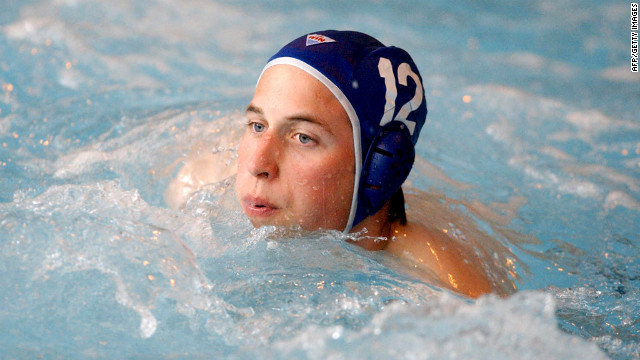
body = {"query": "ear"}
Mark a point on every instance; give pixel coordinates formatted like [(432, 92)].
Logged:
[(387, 165)]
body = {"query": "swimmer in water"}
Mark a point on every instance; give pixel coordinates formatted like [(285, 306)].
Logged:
[(329, 141)]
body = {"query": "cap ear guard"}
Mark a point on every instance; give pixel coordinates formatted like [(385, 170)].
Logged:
[(387, 165)]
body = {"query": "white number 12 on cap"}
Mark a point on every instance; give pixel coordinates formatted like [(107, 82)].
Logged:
[(404, 71)]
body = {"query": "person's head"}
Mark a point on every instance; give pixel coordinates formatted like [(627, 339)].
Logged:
[(330, 133)]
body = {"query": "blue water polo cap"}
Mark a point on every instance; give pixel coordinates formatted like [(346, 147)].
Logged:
[(381, 90)]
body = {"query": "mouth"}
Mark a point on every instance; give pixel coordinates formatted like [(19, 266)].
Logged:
[(258, 207)]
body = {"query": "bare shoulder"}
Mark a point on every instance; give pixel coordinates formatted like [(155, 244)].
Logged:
[(200, 168), (455, 266)]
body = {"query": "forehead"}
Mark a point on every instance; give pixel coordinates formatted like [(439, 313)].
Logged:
[(285, 89), (293, 77)]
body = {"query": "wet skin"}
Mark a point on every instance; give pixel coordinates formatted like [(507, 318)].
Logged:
[(296, 158), (296, 168)]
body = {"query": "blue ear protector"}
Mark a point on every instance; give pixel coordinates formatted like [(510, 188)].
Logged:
[(381, 91), (386, 166)]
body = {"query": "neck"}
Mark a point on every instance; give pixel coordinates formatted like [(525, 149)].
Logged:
[(378, 231)]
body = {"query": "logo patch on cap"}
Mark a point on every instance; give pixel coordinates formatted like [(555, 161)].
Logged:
[(315, 39)]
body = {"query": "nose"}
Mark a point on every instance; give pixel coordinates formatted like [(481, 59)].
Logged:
[(262, 161)]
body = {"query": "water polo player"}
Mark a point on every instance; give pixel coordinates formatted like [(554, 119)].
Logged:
[(329, 141)]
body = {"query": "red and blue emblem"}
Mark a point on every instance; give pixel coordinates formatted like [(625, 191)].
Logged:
[(315, 39)]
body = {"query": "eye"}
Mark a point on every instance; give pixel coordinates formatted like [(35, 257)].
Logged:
[(257, 127), (304, 139)]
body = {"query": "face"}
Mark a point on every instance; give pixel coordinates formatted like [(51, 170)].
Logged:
[(296, 158)]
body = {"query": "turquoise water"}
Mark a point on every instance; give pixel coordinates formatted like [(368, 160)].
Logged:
[(533, 135)]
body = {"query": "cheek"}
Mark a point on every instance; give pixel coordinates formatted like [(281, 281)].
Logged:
[(327, 189), (339, 184), (241, 174), (332, 176), (242, 152)]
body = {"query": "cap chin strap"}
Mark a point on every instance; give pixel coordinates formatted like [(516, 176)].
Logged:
[(353, 117)]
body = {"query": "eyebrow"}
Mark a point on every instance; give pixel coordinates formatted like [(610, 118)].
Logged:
[(254, 109), (295, 117)]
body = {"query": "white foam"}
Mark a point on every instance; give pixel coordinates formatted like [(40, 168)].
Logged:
[(148, 323), (528, 60), (501, 131), (522, 326), (102, 227), (559, 181), (40, 29), (535, 62), (74, 164), (582, 188), (594, 121), (69, 79), (591, 120), (556, 153), (605, 172), (567, 174), (5, 124), (620, 198), (620, 74)]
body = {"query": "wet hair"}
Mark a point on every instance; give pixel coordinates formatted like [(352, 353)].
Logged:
[(397, 211)]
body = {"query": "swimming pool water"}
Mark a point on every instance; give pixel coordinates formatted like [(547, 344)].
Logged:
[(533, 135)]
